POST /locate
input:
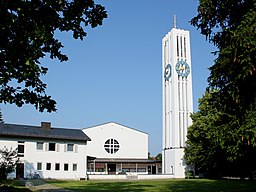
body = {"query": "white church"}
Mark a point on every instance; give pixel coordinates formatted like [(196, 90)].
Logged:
[(106, 151), (111, 148)]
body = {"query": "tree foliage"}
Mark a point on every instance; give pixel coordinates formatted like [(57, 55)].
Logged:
[(221, 140), (8, 161), (218, 144), (231, 26), (159, 156), (27, 34)]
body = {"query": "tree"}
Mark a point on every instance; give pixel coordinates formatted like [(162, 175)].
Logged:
[(221, 139), (28, 34), (203, 149), (159, 156), (149, 156), (230, 26), (8, 161)]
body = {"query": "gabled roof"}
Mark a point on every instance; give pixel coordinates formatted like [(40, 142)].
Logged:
[(116, 124), (27, 131)]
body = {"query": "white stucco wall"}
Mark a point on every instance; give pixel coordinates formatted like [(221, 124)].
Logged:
[(32, 156), (133, 143), (177, 100)]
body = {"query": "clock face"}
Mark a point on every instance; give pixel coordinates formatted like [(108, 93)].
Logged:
[(182, 68), (167, 72)]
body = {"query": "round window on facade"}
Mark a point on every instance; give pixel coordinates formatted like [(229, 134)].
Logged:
[(111, 146)]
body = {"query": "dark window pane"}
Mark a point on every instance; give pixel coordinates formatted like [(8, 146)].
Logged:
[(52, 146), (57, 166), (48, 166), (70, 147), (20, 148), (65, 167)]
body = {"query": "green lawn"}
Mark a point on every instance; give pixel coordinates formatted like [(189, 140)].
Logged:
[(12, 185), (179, 185)]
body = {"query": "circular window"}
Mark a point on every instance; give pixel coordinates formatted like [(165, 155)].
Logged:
[(111, 146)]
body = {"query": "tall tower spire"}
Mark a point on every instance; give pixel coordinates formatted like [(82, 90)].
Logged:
[(177, 99), (174, 21)]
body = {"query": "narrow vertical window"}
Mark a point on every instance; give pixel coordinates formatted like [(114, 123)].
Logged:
[(74, 167), (178, 46), (57, 166), (181, 49), (165, 51), (185, 54), (39, 166), (21, 148), (48, 166), (65, 167)]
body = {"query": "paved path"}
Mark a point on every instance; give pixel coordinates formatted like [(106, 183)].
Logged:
[(41, 186)]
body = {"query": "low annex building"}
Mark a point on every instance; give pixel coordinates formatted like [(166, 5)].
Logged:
[(50, 152)]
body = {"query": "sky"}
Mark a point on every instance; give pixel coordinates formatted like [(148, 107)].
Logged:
[(115, 75)]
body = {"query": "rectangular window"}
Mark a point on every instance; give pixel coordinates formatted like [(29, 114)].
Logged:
[(57, 166), (74, 167), (52, 146), (70, 147), (39, 145), (21, 148), (65, 167), (39, 166), (48, 166)]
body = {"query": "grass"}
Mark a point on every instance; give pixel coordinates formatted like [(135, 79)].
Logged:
[(174, 185), (13, 185)]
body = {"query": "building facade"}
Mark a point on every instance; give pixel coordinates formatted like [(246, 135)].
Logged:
[(177, 99), (117, 149), (50, 152), (57, 153)]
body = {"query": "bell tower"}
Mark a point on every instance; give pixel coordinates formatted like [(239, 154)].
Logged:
[(177, 99)]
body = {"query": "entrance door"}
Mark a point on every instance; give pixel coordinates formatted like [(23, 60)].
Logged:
[(111, 168), (153, 169), (20, 170)]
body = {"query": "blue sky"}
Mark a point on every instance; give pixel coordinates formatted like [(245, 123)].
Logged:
[(115, 73)]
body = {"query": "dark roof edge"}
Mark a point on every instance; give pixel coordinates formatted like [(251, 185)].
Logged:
[(46, 138)]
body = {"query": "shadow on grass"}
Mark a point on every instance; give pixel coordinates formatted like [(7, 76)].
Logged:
[(12, 186), (174, 185), (195, 185)]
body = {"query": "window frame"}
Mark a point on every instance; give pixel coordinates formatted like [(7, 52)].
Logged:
[(39, 166), (70, 145), (51, 148), (65, 168), (21, 148), (74, 167), (57, 166), (37, 146), (48, 166)]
